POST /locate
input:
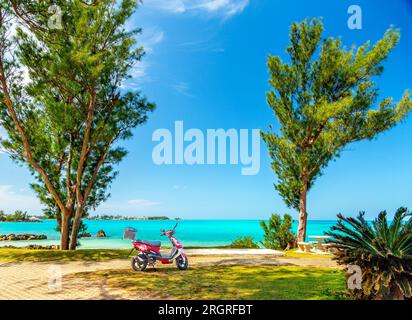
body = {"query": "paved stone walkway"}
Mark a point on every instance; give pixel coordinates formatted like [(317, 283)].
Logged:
[(235, 252), (46, 280)]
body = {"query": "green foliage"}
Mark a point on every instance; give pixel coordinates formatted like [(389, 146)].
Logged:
[(244, 243), (381, 249), (323, 100), (223, 282), (17, 216), (158, 218), (76, 109), (278, 234)]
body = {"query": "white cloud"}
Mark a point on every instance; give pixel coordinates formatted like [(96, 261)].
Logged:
[(222, 8), (139, 70), (138, 76), (11, 201), (148, 40), (228, 8), (182, 88), (128, 206), (141, 203), (174, 6), (12, 32), (206, 45)]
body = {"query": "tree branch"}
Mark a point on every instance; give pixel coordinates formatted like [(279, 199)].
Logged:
[(27, 149)]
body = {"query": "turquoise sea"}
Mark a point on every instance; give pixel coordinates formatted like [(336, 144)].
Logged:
[(204, 233)]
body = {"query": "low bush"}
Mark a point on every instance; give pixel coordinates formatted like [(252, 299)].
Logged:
[(244, 243), (278, 234)]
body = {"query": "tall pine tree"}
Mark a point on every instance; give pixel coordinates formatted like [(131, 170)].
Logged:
[(66, 122), (324, 99)]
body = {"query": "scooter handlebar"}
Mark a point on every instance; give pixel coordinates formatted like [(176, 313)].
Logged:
[(168, 232)]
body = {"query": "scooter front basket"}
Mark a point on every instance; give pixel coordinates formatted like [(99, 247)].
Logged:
[(129, 233)]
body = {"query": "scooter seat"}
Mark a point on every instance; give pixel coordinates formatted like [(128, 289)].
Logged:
[(156, 244)]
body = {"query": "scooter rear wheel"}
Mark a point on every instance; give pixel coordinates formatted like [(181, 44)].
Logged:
[(182, 263), (139, 263)]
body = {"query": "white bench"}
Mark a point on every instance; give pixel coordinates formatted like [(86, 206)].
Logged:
[(326, 247), (305, 246)]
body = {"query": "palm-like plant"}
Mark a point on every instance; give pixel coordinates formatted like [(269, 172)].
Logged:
[(382, 250)]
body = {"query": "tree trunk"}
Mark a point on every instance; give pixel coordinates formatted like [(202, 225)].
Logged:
[(75, 228), (64, 232), (80, 171), (303, 215), (58, 218)]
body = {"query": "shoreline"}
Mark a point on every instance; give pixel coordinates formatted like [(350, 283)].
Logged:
[(191, 233)]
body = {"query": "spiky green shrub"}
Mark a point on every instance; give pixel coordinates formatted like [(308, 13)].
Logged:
[(278, 234), (381, 249)]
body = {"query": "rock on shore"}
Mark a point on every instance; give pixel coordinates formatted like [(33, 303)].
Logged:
[(101, 234), (17, 237)]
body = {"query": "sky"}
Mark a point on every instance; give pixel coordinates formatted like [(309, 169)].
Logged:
[(205, 65)]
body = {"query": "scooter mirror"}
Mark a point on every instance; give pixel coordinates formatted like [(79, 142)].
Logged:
[(162, 230)]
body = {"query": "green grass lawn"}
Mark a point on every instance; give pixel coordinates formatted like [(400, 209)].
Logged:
[(203, 282), (228, 282), (56, 255), (7, 254), (95, 254)]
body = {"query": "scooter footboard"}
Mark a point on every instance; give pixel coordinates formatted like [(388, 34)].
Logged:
[(173, 255)]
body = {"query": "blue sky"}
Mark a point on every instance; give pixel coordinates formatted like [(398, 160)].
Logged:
[(206, 65)]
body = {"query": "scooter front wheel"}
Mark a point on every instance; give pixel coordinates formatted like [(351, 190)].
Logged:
[(139, 263), (182, 262)]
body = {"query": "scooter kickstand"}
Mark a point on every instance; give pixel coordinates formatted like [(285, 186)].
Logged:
[(154, 267)]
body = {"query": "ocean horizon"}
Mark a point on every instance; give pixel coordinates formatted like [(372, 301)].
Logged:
[(192, 233)]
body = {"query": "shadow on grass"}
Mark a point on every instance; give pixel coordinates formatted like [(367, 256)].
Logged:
[(228, 282), (57, 255)]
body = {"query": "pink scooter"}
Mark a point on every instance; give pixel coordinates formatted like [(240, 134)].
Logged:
[(150, 252)]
